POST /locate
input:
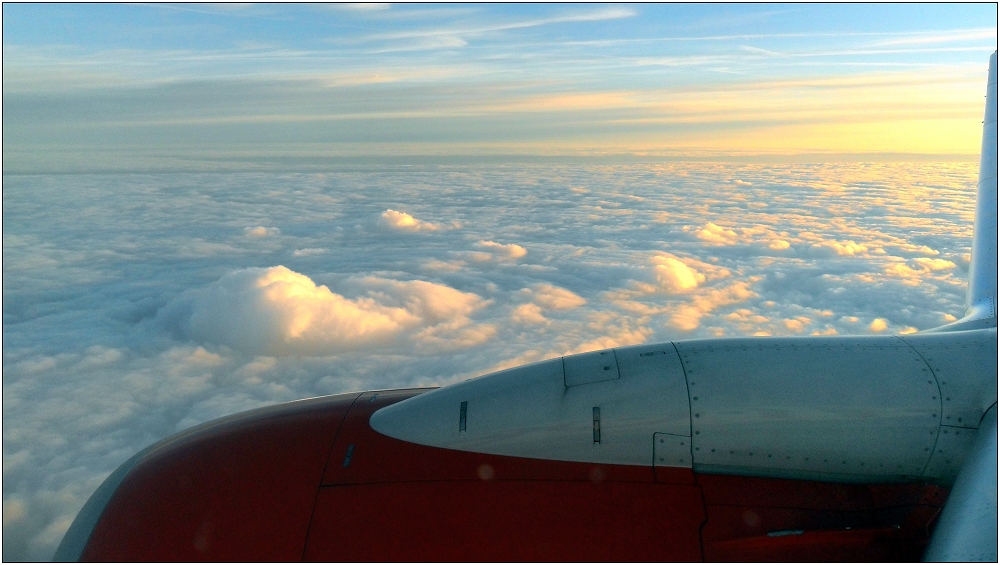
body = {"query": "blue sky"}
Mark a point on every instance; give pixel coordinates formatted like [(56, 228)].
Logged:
[(374, 27), (370, 80)]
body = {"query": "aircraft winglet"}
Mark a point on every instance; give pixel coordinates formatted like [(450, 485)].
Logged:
[(981, 297)]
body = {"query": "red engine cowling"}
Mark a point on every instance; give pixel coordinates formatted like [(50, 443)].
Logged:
[(311, 480), (240, 489)]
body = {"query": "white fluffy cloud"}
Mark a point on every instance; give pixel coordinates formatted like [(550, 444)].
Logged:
[(401, 221), (529, 314), (717, 235), (674, 276), (687, 316), (921, 270), (829, 248), (545, 296), (934, 264), (681, 281), (493, 251), (278, 311)]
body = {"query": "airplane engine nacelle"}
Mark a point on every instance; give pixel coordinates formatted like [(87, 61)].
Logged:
[(771, 449), (850, 409)]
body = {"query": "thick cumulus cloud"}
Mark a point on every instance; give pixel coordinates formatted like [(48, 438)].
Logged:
[(171, 312), (277, 311), (674, 276)]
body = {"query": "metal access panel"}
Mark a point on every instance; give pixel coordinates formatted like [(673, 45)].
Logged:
[(592, 367), (656, 386), (850, 409)]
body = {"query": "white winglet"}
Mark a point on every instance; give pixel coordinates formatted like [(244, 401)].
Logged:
[(981, 297), (981, 301)]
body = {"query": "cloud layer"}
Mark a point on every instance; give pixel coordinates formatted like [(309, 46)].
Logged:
[(139, 305)]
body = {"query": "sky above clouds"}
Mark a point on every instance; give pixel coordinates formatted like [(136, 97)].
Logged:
[(142, 87), (208, 209)]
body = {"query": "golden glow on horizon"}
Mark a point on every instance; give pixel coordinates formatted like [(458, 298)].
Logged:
[(916, 113), (947, 136)]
